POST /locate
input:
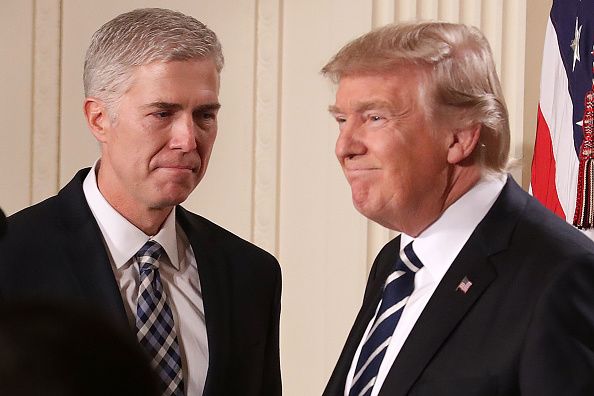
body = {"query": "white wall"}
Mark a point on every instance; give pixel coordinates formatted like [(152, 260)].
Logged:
[(273, 178)]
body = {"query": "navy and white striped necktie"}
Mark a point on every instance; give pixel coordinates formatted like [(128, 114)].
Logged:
[(154, 322), (397, 289)]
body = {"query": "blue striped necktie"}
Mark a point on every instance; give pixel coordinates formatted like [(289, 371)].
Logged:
[(154, 322), (397, 289)]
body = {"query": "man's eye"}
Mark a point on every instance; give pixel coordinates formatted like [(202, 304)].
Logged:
[(162, 114), (375, 118), (340, 120), (206, 116)]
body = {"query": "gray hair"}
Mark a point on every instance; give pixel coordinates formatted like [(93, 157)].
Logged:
[(457, 60), (141, 37)]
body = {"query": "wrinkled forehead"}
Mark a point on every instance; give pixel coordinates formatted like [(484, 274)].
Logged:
[(403, 87)]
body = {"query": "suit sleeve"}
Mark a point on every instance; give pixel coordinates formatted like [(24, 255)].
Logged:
[(272, 375), (558, 357)]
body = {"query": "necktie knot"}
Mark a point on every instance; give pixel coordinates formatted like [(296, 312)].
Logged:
[(148, 256), (408, 260)]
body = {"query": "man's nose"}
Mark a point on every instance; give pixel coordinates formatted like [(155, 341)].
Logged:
[(184, 134), (348, 142)]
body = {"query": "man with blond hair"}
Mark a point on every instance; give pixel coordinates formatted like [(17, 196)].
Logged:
[(203, 303), (484, 292)]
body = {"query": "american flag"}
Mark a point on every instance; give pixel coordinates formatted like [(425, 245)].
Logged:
[(563, 164), (464, 285)]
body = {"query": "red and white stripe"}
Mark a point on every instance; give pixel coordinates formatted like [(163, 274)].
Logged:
[(555, 164)]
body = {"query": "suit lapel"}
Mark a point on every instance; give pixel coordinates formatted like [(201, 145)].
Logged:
[(373, 292), (443, 312), (213, 272), (86, 253), (448, 305)]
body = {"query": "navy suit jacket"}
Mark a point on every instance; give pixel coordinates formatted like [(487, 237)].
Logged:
[(525, 326), (54, 251)]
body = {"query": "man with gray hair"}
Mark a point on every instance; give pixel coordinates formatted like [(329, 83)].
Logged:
[(484, 292), (203, 303)]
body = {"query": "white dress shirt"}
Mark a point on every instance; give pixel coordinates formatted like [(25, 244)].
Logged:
[(436, 247), (179, 275)]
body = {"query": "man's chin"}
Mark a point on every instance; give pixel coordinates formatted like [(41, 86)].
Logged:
[(171, 200), (371, 211), (172, 194), (364, 210), (360, 200)]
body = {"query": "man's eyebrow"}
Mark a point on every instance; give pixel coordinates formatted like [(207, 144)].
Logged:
[(162, 106), (333, 109), (373, 104), (176, 106), (360, 107), (208, 107)]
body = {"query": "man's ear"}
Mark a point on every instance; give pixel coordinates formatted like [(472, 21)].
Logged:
[(463, 143), (97, 118)]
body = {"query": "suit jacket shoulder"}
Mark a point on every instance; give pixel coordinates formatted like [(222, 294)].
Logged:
[(202, 229), (54, 250)]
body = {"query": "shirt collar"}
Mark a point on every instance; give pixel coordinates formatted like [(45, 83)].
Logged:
[(124, 239), (439, 244)]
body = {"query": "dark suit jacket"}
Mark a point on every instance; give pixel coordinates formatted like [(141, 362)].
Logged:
[(525, 326), (54, 250)]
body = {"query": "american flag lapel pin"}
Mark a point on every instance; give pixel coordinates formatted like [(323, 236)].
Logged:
[(464, 285)]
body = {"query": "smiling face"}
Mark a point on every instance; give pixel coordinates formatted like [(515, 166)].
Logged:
[(393, 156), (155, 149)]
